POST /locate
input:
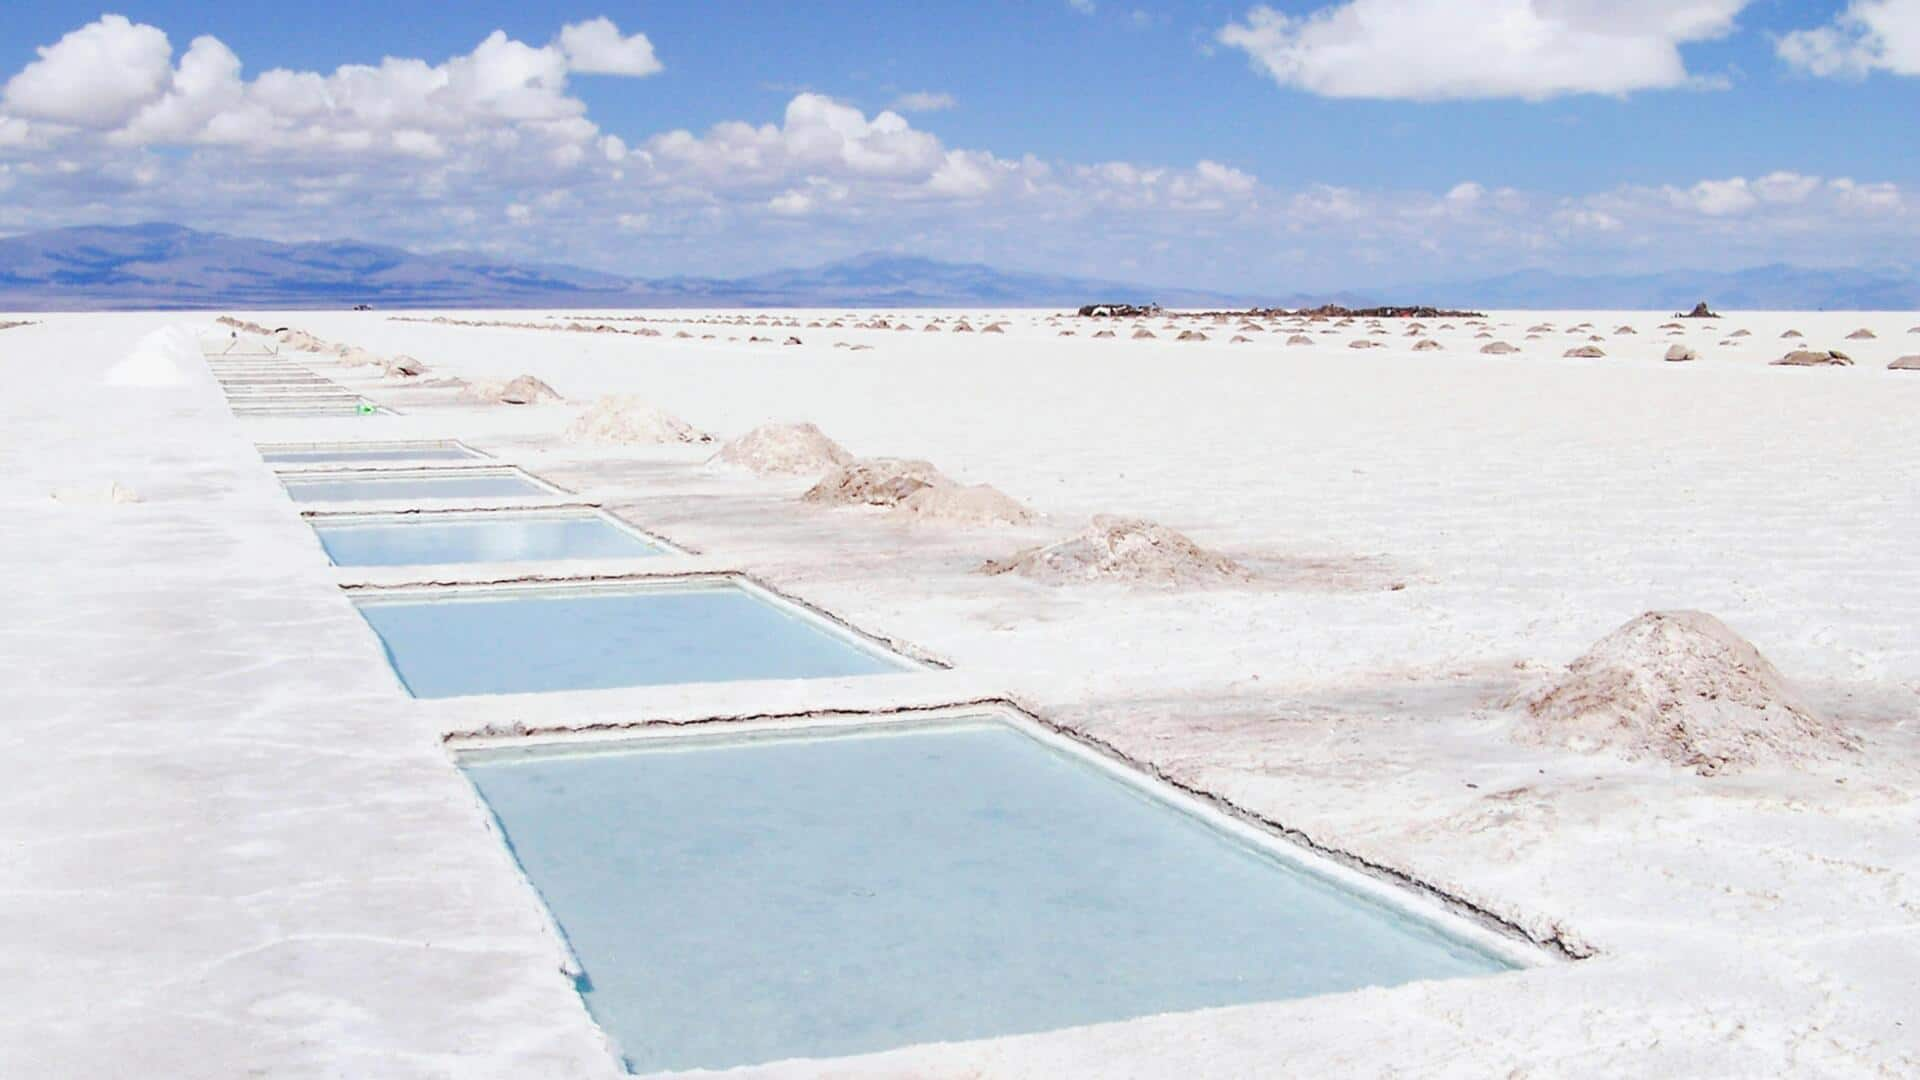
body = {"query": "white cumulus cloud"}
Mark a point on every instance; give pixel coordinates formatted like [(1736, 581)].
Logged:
[(1430, 50), (94, 77), (1870, 35), (597, 47)]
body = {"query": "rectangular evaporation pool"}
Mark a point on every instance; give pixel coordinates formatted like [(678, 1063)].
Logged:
[(301, 408), (319, 389), (519, 640), (367, 486), (482, 537), (367, 452), (733, 900)]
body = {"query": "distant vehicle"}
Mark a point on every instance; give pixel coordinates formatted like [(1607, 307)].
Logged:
[(363, 307)]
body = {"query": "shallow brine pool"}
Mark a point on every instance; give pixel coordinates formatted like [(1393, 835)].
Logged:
[(306, 408), (366, 453), (748, 899), (423, 484), (534, 639), (497, 536)]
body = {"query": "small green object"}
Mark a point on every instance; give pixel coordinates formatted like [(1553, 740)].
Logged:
[(366, 408)]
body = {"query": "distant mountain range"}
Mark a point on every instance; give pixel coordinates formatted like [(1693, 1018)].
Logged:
[(169, 266), (1763, 288)]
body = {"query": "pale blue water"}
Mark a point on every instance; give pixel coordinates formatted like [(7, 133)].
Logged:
[(368, 455), (558, 639), (466, 538), (263, 408), (745, 901), (469, 485)]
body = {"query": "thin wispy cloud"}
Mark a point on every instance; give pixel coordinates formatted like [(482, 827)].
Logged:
[(923, 101)]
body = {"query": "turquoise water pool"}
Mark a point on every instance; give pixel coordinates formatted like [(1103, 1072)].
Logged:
[(742, 900), (425, 484), (513, 641), (415, 539), (367, 453)]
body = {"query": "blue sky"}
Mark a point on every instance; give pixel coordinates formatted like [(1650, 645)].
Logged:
[(1310, 145)]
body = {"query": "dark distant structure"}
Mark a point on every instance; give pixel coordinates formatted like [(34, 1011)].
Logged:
[(1700, 311), (1324, 311)]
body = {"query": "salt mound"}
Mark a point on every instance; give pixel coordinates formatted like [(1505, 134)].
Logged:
[(784, 448), (158, 359), (521, 390), (631, 421), (1681, 687), (1905, 363), (1299, 339), (1427, 345), (875, 482), (1499, 348), (1862, 334), (978, 504), (1680, 354), (113, 493), (1814, 358), (1585, 352), (1123, 549)]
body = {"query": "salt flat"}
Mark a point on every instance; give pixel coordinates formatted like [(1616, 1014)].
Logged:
[(240, 847)]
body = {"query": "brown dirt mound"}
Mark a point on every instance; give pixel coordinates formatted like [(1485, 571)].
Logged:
[(875, 482), (784, 448), (978, 504), (1679, 686), (630, 421), (1123, 549)]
